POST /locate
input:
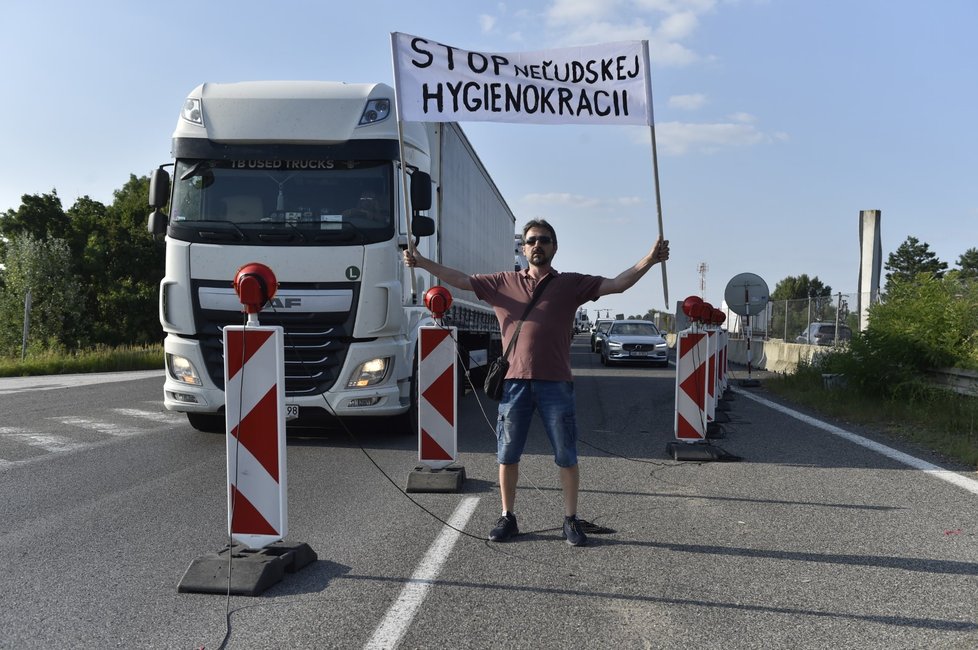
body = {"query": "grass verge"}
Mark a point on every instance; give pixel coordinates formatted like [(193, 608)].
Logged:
[(102, 359)]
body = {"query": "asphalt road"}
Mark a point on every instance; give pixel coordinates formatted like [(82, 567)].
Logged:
[(814, 539)]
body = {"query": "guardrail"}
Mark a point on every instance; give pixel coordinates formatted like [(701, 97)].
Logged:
[(961, 381)]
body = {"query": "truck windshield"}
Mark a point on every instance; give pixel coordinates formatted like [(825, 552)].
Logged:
[(313, 198)]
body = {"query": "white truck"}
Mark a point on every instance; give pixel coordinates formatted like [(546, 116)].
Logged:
[(581, 321), (305, 177)]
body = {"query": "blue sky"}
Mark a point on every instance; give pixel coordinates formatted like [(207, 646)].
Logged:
[(777, 121)]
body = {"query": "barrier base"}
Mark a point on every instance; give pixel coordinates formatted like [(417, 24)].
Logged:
[(425, 479), (723, 404), (698, 451), (749, 383), (714, 430), (252, 570), (721, 416)]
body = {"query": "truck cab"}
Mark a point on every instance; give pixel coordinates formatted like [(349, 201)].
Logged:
[(308, 179)]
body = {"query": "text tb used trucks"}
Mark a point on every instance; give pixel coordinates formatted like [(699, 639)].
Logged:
[(305, 177)]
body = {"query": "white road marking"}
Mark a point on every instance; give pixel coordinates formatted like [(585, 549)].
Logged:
[(954, 478), (107, 428), (155, 416), (388, 634), (47, 442)]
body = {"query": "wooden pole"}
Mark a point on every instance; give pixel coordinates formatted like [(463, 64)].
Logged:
[(655, 163)]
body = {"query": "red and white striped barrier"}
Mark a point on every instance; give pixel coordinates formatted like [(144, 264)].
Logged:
[(254, 390), (724, 341), (712, 363), (691, 384), (437, 397)]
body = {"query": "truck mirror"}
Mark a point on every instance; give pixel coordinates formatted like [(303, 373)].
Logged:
[(157, 222), (159, 194), (422, 226), (420, 191), (159, 188)]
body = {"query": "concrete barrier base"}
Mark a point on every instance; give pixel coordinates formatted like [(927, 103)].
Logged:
[(425, 479), (242, 571)]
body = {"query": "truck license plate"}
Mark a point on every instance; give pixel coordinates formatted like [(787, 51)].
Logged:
[(291, 411)]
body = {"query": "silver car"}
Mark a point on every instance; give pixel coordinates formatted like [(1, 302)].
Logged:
[(824, 334), (597, 333), (634, 341)]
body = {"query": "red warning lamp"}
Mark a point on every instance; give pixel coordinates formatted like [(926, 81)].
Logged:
[(437, 300), (718, 316), (706, 312), (689, 303), (255, 285)]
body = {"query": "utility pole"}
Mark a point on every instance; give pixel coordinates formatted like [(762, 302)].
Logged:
[(702, 269)]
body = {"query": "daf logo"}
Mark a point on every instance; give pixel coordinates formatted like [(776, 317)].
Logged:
[(286, 303)]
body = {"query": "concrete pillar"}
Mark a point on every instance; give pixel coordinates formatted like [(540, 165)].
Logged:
[(870, 263)]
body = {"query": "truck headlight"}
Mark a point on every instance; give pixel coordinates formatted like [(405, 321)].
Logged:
[(377, 110), (369, 373), (191, 112), (182, 369)]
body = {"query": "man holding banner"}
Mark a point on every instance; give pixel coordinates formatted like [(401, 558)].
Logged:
[(598, 84), (539, 376)]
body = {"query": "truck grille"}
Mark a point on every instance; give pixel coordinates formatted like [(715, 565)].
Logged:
[(316, 345)]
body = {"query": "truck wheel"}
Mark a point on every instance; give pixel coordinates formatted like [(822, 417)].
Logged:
[(207, 422)]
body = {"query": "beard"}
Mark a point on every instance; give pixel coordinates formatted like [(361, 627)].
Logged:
[(538, 258)]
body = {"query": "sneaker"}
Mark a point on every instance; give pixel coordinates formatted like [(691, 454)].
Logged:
[(505, 528), (573, 533)]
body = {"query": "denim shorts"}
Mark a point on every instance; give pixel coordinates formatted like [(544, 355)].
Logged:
[(555, 402)]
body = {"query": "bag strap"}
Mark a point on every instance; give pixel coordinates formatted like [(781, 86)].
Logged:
[(536, 296)]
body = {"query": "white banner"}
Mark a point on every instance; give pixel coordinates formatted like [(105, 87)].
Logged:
[(598, 84)]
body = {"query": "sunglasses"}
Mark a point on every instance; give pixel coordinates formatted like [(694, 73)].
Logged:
[(543, 239)]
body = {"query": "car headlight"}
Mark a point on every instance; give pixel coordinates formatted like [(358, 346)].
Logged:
[(614, 344), (369, 373), (661, 346), (182, 370)]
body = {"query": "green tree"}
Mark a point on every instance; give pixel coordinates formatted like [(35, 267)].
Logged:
[(910, 259), (799, 300), (113, 264), (968, 264), (43, 267), (124, 264), (39, 215)]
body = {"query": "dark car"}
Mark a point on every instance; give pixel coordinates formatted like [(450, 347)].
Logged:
[(634, 341), (824, 334), (597, 333)]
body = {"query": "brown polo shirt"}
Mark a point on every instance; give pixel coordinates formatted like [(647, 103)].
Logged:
[(543, 348)]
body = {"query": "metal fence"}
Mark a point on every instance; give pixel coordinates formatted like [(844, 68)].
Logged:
[(787, 320)]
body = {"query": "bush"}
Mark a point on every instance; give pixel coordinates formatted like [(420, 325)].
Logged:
[(928, 323)]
